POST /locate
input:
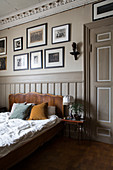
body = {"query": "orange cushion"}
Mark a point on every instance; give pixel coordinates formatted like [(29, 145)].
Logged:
[(39, 112)]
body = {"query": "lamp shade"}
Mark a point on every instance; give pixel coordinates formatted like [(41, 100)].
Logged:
[(66, 100)]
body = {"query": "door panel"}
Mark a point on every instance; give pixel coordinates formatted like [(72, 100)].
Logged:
[(104, 99), (103, 132), (104, 63), (104, 36), (101, 83)]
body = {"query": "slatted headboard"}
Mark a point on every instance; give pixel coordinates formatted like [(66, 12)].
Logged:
[(37, 98)]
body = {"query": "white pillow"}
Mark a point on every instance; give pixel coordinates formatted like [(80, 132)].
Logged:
[(51, 110), (30, 104)]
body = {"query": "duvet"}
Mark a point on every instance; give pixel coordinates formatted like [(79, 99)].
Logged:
[(15, 132)]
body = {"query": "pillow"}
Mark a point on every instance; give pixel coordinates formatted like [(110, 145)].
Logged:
[(39, 112), (30, 104), (21, 111), (14, 106), (51, 110)]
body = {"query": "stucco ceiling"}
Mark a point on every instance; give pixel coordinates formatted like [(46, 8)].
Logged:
[(8, 7), (16, 12)]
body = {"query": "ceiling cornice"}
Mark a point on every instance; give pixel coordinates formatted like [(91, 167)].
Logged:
[(40, 10)]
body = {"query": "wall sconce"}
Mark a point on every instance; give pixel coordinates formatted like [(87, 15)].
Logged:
[(75, 52)]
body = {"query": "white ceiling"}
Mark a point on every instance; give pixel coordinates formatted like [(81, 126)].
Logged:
[(16, 12), (8, 7)]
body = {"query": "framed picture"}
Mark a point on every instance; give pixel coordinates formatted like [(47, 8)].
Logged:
[(54, 57), (3, 63), (36, 36), (18, 44), (3, 46), (20, 62), (102, 9), (60, 34), (36, 60)]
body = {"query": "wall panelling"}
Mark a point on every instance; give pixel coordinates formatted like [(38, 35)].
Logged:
[(58, 84)]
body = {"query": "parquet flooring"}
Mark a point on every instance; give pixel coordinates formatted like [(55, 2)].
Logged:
[(63, 153)]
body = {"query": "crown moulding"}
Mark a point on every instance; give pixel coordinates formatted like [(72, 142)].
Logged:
[(40, 11)]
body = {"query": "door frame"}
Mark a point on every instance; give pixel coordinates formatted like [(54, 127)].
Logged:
[(87, 49)]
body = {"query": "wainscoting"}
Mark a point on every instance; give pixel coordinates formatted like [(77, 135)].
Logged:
[(57, 83)]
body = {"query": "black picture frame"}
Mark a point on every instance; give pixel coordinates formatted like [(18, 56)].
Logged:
[(36, 36), (36, 60), (60, 34), (21, 62), (3, 63), (3, 46), (54, 57), (18, 44), (102, 9)]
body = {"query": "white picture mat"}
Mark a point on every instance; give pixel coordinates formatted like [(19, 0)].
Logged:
[(97, 16), (56, 40), (1, 39), (24, 62), (39, 61), (18, 48), (38, 28), (54, 64)]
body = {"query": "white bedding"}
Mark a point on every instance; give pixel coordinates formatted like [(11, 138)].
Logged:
[(15, 132)]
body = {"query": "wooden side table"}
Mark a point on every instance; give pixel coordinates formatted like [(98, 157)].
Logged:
[(78, 123)]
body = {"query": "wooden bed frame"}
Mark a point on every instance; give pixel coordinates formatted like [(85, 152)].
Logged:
[(21, 152)]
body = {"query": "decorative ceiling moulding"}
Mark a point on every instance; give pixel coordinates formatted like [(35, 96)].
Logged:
[(41, 10)]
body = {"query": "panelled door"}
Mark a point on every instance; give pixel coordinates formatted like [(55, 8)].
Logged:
[(101, 83)]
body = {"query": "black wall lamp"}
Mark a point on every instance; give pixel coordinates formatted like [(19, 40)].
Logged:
[(75, 52)]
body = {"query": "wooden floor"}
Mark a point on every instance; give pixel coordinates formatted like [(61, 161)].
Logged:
[(63, 153)]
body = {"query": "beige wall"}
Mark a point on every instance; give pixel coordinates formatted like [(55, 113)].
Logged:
[(76, 17), (58, 81)]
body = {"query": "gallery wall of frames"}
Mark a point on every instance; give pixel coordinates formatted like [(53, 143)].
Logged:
[(37, 36), (43, 46)]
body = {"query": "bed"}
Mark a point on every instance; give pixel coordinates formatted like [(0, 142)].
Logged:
[(24, 149)]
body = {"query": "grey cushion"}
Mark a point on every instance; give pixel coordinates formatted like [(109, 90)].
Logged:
[(20, 112), (51, 110), (14, 106)]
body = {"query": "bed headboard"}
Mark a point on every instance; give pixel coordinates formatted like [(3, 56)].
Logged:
[(37, 98)]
